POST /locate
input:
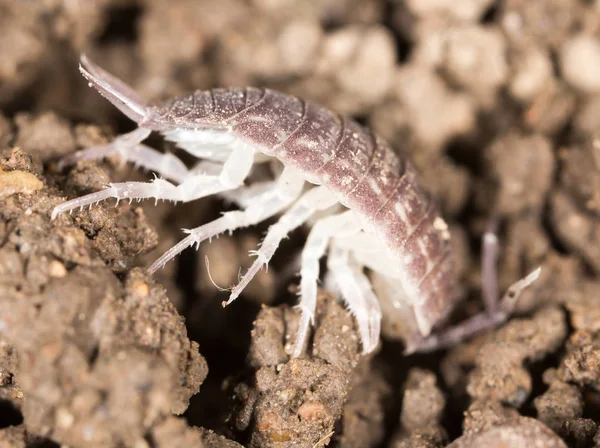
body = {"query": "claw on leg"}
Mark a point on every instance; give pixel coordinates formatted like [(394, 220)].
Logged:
[(159, 189), (318, 198), (358, 295), (315, 248), (235, 170), (306, 320), (173, 252), (261, 203), (81, 202), (119, 145), (248, 276), (130, 149)]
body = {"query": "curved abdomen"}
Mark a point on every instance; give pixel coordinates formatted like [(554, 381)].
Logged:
[(362, 171)]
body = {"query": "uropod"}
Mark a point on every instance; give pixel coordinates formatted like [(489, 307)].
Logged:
[(387, 222)]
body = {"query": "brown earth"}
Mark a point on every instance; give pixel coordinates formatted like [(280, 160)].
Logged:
[(497, 103)]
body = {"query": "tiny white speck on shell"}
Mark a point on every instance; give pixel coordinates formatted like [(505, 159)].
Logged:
[(374, 186), (442, 227), (400, 210)]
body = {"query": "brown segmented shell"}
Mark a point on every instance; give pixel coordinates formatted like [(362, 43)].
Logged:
[(358, 166)]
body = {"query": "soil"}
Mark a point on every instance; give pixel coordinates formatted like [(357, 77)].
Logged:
[(497, 103)]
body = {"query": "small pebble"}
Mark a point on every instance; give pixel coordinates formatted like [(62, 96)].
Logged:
[(580, 63)]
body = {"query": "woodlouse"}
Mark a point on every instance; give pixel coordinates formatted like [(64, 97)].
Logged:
[(390, 224)]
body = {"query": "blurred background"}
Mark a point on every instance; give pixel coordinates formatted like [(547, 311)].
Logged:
[(496, 102)]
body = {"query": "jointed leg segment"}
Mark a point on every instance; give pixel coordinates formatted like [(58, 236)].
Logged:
[(263, 205), (129, 148), (235, 170), (315, 248), (368, 251), (318, 198), (358, 295)]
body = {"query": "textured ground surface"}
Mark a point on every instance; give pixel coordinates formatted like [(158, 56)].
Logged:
[(497, 103)]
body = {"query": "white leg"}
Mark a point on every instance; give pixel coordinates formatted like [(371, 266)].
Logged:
[(207, 167), (205, 143), (129, 148), (358, 295), (244, 196), (219, 154), (209, 152), (318, 198), (373, 307), (315, 248), (260, 207), (235, 170), (369, 252)]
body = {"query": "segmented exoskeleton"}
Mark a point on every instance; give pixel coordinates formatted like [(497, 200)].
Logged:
[(389, 224)]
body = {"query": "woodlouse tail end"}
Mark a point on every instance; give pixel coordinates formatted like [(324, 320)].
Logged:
[(124, 97)]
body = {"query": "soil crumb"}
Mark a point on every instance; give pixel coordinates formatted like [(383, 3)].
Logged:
[(496, 104)]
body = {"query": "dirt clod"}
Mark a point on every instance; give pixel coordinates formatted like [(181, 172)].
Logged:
[(497, 105), (560, 403), (88, 360), (422, 407), (579, 432), (522, 432), (363, 416), (581, 363), (499, 373), (293, 401), (423, 401), (484, 414), (299, 402), (12, 182), (45, 137), (522, 167)]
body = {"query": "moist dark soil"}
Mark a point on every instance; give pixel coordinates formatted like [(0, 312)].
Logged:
[(497, 104)]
